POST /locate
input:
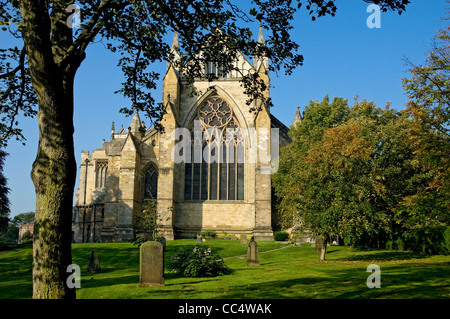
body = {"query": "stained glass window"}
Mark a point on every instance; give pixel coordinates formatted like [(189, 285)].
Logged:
[(220, 174)]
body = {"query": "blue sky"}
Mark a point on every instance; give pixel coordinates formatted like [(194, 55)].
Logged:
[(343, 57)]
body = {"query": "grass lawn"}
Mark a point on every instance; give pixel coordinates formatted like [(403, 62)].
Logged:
[(293, 272)]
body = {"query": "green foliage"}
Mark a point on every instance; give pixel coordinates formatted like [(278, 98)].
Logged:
[(23, 218), (11, 235), (348, 170), (4, 200), (429, 107), (138, 30), (147, 224), (199, 261), (427, 240), (280, 236), (208, 234), (27, 237)]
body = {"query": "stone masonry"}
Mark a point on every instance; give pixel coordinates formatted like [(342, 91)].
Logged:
[(113, 178)]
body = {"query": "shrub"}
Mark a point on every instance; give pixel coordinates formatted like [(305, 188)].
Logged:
[(208, 234), (27, 237), (280, 236), (426, 240), (198, 261)]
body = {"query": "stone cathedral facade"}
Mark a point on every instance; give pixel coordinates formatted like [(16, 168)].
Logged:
[(137, 165)]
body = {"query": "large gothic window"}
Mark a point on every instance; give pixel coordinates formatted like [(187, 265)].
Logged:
[(218, 172), (100, 174), (151, 183)]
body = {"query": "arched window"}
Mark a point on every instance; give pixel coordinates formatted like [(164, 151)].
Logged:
[(216, 69), (100, 174), (151, 183), (216, 169)]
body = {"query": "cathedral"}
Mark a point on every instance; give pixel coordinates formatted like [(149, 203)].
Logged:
[(137, 166)]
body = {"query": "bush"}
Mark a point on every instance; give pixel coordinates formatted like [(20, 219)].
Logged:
[(426, 240), (280, 236), (208, 234), (198, 261)]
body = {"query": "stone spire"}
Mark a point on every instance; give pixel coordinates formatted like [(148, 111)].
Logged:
[(113, 130), (297, 118), (260, 60), (175, 43), (175, 48), (135, 122), (260, 35)]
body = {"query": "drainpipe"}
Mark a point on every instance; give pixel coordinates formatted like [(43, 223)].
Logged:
[(85, 186)]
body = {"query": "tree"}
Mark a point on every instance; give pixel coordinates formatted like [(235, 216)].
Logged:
[(45, 67), (429, 107), (347, 170), (12, 232), (4, 200), (23, 218)]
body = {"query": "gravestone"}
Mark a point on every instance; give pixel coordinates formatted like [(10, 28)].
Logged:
[(151, 264), (162, 240), (93, 263), (319, 243), (243, 239), (252, 253)]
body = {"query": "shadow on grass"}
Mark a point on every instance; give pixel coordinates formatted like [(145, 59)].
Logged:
[(96, 282), (383, 255), (417, 281)]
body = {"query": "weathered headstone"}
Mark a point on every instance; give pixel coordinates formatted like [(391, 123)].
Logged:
[(243, 239), (151, 264), (319, 243), (252, 253), (93, 263)]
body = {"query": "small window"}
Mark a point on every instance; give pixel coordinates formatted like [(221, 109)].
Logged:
[(151, 183)]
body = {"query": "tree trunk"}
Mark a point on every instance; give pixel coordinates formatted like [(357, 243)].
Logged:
[(54, 169), (323, 250), (53, 175)]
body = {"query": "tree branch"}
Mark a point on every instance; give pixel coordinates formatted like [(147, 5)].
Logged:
[(18, 67), (91, 30)]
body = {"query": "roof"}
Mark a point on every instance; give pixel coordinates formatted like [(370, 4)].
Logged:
[(283, 129)]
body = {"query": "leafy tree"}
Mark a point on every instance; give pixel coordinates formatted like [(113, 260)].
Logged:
[(23, 218), (4, 200), (346, 171), (429, 106), (42, 72), (12, 233)]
